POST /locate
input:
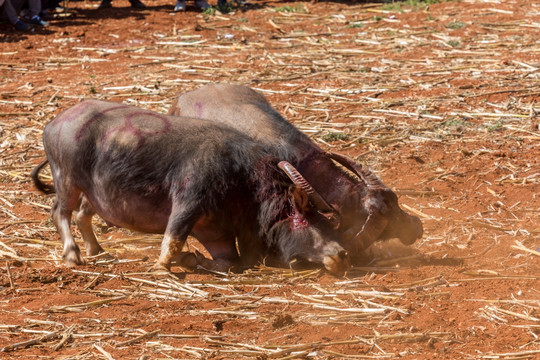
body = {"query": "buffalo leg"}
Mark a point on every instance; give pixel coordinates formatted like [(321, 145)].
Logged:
[(181, 221), (221, 265), (84, 222), (61, 215), (224, 254), (186, 260), (171, 246), (190, 260)]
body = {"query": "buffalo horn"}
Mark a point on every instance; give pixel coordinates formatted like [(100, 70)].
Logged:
[(376, 221), (372, 229), (371, 180), (315, 198)]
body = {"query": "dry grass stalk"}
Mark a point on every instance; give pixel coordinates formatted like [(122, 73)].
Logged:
[(107, 355), (334, 69), (8, 251), (515, 355), (138, 338), (21, 345), (83, 306), (10, 276), (522, 247), (66, 336), (358, 356)]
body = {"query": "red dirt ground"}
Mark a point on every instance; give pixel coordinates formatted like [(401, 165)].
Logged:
[(441, 101)]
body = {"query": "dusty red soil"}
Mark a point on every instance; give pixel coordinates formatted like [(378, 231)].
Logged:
[(441, 101)]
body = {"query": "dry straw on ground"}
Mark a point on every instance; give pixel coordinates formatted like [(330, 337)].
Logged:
[(442, 102)]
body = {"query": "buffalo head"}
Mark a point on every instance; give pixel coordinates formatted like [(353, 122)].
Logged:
[(312, 245), (385, 219)]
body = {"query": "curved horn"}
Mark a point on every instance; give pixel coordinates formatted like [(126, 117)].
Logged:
[(323, 207), (370, 232), (376, 222), (371, 180)]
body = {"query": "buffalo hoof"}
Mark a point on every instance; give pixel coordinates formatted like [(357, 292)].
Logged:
[(160, 269), (337, 264), (73, 258), (95, 251)]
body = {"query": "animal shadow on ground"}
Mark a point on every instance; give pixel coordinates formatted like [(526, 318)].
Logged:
[(393, 253)]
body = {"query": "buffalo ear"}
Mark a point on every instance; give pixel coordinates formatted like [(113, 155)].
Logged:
[(299, 199)]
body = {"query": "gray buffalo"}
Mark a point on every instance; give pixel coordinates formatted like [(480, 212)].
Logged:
[(179, 176), (368, 210)]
